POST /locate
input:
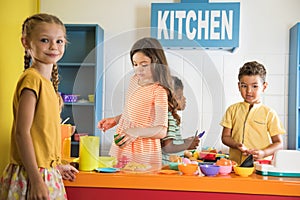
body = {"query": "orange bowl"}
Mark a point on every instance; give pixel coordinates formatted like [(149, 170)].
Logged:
[(188, 169)]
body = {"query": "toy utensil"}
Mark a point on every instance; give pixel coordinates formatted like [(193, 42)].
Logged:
[(65, 120), (196, 133), (248, 162), (201, 134)]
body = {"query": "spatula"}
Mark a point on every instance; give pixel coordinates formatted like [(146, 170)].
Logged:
[(248, 162)]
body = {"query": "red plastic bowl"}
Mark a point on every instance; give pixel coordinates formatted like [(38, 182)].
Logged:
[(207, 155)]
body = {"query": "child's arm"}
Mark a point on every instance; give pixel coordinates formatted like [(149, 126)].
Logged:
[(155, 132), (108, 123), (24, 121), (228, 141), (277, 144), (189, 144)]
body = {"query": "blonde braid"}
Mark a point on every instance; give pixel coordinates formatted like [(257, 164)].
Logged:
[(55, 82)]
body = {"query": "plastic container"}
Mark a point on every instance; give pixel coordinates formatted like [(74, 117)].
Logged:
[(224, 170), (89, 153), (67, 131), (70, 98), (210, 170), (243, 171), (106, 161), (91, 98), (173, 165), (188, 169)]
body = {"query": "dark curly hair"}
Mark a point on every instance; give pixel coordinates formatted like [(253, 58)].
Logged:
[(252, 69)]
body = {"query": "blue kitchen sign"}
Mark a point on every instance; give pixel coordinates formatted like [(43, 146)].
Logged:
[(196, 25)]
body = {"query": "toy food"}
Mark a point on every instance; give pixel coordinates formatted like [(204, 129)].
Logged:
[(133, 166), (224, 162), (187, 154)]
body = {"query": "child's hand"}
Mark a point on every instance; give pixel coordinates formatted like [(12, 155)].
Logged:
[(243, 149), (106, 123), (257, 154), (193, 141), (126, 140), (68, 172)]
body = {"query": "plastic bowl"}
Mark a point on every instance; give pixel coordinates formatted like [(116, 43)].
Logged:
[(173, 165), (243, 171), (70, 98), (207, 155), (210, 170), (188, 169), (268, 162), (224, 170)]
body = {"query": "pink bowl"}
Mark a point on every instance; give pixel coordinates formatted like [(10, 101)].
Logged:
[(224, 170)]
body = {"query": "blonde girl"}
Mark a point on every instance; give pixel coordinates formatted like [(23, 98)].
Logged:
[(35, 170)]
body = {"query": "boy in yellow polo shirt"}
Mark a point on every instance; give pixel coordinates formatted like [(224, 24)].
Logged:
[(249, 127)]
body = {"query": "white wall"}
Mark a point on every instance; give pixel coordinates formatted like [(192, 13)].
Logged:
[(210, 77)]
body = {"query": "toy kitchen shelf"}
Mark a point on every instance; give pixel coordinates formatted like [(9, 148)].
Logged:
[(294, 89), (81, 70)]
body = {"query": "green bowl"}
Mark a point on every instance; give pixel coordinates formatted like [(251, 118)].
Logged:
[(173, 165)]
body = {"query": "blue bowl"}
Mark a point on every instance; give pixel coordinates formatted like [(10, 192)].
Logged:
[(210, 170)]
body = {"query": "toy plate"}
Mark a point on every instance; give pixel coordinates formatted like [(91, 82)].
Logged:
[(282, 174), (107, 170)]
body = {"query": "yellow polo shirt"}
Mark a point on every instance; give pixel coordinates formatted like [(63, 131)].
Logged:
[(253, 128), (45, 129)]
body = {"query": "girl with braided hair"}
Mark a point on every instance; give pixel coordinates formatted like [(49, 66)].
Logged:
[(35, 170)]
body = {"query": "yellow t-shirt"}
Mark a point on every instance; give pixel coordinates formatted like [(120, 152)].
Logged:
[(253, 128), (45, 129)]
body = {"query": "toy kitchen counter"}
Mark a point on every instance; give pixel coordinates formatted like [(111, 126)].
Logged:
[(94, 185)]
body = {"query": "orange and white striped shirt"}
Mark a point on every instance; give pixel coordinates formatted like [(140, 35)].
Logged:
[(145, 106)]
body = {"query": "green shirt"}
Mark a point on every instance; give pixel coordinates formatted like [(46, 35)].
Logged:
[(172, 133)]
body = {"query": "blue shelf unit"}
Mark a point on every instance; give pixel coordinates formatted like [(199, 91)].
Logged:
[(294, 89), (81, 73)]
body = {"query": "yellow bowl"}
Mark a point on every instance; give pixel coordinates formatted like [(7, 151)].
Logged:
[(188, 169), (243, 171)]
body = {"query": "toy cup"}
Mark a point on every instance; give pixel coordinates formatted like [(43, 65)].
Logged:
[(67, 130)]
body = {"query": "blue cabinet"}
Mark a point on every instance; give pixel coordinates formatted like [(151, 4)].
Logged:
[(294, 89), (81, 70)]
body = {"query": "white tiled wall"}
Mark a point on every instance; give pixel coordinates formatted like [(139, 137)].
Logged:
[(210, 77)]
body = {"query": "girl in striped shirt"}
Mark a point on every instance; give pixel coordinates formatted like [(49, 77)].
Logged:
[(149, 98)]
